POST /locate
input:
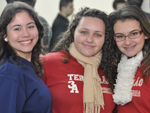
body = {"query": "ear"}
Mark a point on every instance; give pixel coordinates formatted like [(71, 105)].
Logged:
[(5, 38), (63, 8)]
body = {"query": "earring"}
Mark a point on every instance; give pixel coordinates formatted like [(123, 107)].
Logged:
[(6, 40)]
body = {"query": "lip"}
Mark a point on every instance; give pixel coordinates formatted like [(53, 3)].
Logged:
[(129, 48), (88, 46), (26, 42)]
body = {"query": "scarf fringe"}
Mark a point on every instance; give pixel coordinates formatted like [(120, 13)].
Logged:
[(90, 108)]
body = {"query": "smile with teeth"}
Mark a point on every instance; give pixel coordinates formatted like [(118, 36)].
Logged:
[(25, 42), (131, 47)]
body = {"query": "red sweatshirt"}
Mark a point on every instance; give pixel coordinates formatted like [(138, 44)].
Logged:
[(141, 96), (65, 81)]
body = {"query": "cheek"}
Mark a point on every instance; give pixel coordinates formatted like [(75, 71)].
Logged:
[(141, 43), (141, 40), (100, 43), (77, 38), (12, 37), (35, 34), (119, 44)]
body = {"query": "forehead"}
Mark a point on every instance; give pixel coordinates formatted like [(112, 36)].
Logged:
[(22, 14), (91, 23), (90, 19), (21, 18), (126, 25)]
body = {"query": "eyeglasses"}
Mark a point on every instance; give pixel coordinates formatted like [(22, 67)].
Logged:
[(132, 35)]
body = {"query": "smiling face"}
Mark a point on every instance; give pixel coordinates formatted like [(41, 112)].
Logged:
[(129, 47), (89, 36), (22, 34)]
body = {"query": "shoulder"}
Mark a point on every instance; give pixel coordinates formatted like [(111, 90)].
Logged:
[(60, 20), (52, 57), (57, 18), (11, 72), (16, 72), (8, 67)]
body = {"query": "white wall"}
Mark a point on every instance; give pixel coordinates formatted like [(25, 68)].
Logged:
[(49, 8), (146, 6)]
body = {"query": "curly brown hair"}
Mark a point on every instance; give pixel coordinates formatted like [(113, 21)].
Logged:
[(68, 38)]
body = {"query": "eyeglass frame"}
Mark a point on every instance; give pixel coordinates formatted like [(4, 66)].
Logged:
[(141, 31)]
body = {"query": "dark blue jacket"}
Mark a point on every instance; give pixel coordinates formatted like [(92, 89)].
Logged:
[(21, 90)]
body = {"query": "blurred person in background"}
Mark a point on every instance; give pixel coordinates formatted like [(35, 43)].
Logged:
[(61, 22), (137, 3), (117, 4)]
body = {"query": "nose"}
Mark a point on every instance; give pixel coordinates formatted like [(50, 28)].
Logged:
[(89, 38), (128, 41), (25, 32)]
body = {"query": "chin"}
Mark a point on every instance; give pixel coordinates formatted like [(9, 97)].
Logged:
[(87, 55), (129, 56)]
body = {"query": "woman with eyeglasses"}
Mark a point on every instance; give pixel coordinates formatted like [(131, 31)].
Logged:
[(131, 44)]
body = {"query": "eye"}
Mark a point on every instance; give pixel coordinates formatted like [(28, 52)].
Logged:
[(134, 33), (83, 32), (17, 29), (98, 35), (119, 36), (30, 27)]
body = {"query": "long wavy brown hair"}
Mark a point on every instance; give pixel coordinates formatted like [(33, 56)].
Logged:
[(131, 12), (7, 51), (68, 38)]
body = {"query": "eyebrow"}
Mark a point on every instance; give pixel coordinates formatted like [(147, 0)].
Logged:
[(20, 25), (129, 32), (88, 30), (134, 30)]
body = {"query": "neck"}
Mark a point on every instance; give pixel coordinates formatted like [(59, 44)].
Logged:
[(131, 56), (26, 56), (63, 14)]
